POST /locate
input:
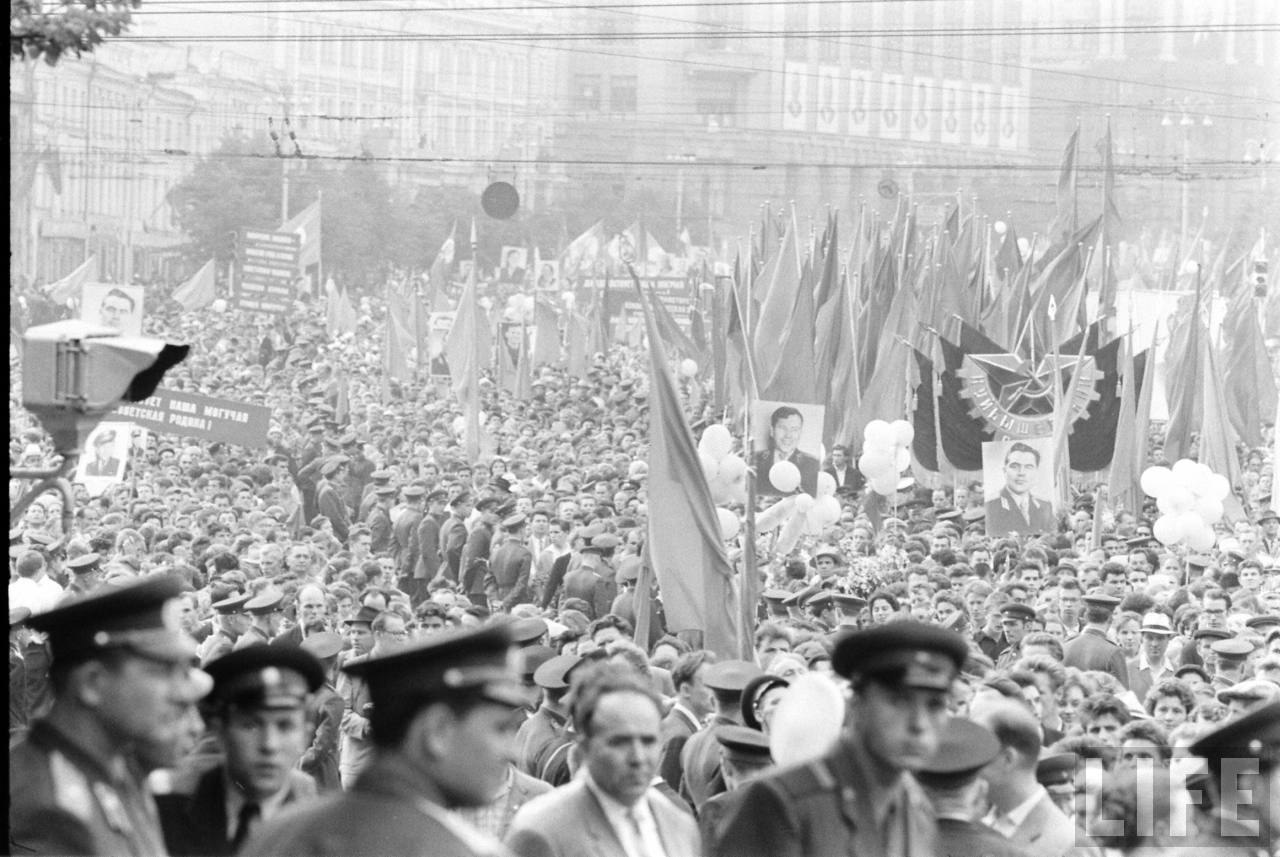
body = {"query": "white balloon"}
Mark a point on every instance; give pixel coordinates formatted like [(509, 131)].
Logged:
[(789, 535), (1219, 487), (716, 441), (885, 485), (1188, 523), (826, 485), (1178, 500), (773, 517), (1209, 509), (804, 504), (710, 467), (688, 367), (1156, 480), (1202, 539), (785, 476), (729, 524), (903, 459), (874, 462), (903, 432), (878, 433), (1200, 479), (1184, 470), (218, 305), (830, 508), (1165, 529), (733, 468)]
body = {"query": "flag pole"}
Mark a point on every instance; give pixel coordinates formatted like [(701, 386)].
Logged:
[(473, 413), (748, 584)]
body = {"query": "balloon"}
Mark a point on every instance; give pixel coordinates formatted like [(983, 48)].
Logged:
[(729, 524), (830, 508), (874, 463), (1178, 500), (784, 475), (1156, 480), (710, 467), (1200, 478), (903, 459), (733, 468), (878, 433), (885, 485), (789, 535), (804, 504), (1165, 529), (716, 441), (218, 305), (1209, 509), (814, 522), (826, 485), (1184, 472), (771, 518), (1202, 539), (688, 367), (1189, 522), (459, 425), (1219, 487), (903, 432), (528, 304)]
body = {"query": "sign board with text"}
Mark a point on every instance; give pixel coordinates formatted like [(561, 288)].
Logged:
[(622, 303), (268, 269), (191, 415)]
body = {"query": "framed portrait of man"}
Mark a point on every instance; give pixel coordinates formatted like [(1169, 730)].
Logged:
[(117, 307), (786, 431), (103, 459), (1018, 486)]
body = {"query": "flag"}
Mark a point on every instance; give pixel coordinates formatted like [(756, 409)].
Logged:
[(340, 315), (1217, 436), (581, 254), (1130, 456), (199, 291), (784, 330), (1250, 385), (53, 167), (72, 285), (1183, 365), (686, 549), (1065, 221), (546, 336), (442, 267), (399, 335), (306, 224), (468, 340), (577, 358)]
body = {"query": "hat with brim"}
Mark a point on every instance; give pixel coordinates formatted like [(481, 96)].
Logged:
[(743, 745), (964, 749), (323, 645), (265, 677), (364, 616), (140, 616), (553, 674), (1157, 623), (906, 654), (1253, 735), (751, 694)]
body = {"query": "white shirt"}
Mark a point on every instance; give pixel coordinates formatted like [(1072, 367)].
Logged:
[(635, 826), (1008, 823)]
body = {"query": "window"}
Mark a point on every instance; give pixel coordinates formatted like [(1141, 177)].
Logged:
[(829, 40), (795, 42), (586, 91), (622, 93)]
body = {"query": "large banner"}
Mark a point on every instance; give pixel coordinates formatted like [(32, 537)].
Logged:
[(117, 307), (268, 268), (622, 303), (203, 417)]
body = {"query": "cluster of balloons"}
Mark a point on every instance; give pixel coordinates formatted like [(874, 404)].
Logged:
[(800, 514), (726, 474), (886, 452), (688, 367), (519, 308), (1189, 496)]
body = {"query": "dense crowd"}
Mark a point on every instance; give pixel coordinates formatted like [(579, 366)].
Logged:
[(916, 686)]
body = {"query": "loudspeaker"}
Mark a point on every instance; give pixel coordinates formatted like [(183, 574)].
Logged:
[(500, 200)]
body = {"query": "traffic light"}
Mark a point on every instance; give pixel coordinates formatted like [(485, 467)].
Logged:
[(75, 373), (1259, 278)]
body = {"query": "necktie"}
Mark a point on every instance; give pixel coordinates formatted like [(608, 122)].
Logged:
[(646, 846), (249, 813)]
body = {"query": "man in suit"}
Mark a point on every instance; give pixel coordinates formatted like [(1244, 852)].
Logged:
[(378, 524), (849, 479), (405, 546), (453, 537), (103, 462), (1017, 510), (440, 721), (257, 710), (475, 553), (951, 781), (1150, 666), (329, 499), (510, 567), (860, 798), (320, 759), (430, 530), (1090, 649), (693, 703), (612, 810), (785, 426), (1021, 810)]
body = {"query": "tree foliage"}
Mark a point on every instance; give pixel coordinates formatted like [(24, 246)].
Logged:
[(38, 30)]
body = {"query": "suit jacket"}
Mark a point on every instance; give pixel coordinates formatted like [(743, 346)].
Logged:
[(475, 559), (453, 538), (405, 546), (1091, 650), (330, 504), (677, 728), (804, 462), (853, 480), (429, 529), (569, 822), (379, 522), (392, 809), (320, 759), (975, 839), (65, 800), (823, 809), (1046, 831), (110, 467), (194, 815), (700, 763), (510, 569), (1004, 516)]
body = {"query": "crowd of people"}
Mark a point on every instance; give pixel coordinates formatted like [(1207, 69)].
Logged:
[(359, 640)]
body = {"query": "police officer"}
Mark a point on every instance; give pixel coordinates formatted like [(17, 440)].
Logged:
[(120, 673), (950, 780), (87, 569), (442, 713), (267, 612), (320, 759), (257, 710), (379, 520), (744, 756), (700, 756), (510, 566), (1090, 649), (1244, 774), (232, 623), (430, 530), (405, 547), (860, 798)]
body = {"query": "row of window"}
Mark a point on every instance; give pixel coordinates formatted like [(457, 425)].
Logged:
[(614, 93)]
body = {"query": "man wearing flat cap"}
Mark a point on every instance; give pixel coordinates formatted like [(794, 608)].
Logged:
[(860, 798), (120, 678), (442, 714), (257, 710)]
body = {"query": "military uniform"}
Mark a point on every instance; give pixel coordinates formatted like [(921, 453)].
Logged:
[(510, 568), (429, 544), (194, 813), (475, 562), (1091, 650), (330, 504), (405, 546)]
